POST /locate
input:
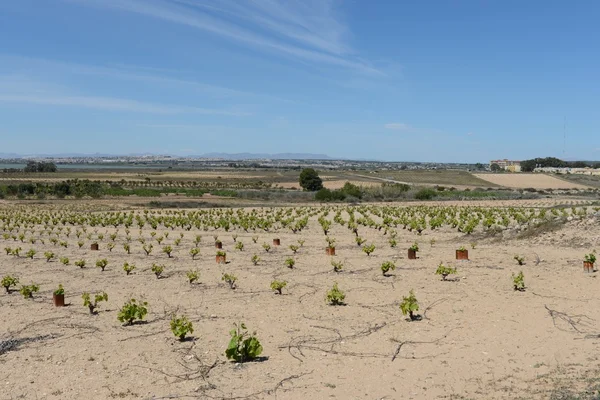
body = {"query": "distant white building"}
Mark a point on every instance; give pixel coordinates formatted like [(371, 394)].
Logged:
[(578, 171)]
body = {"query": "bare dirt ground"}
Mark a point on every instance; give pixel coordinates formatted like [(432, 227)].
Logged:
[(535, 181), (478, 338)]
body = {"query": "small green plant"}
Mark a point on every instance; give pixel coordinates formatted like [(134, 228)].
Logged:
[(519, 281), (167, 250), (28, 290), (266, 246), (110, 246), (290, 262), (230, 279), (80, 263), (177, 242), (131, 311), (335, 296), (234, 237), (64, 260), (148, 248), (80, 243), (8, 250), (301, 242), (432, 242), (330, 241), (410, 306), (9, 281), (414, 247), (294, 248), (255, 239), (462, 248), (368, 249), (393, 242), (193, 276), (30, 253), (128, 268), (49, 255), (194, 251), (158, 270), (520, 259), (278, 286), (359, 241), (16, 252), (387, 266), (239, 246), (127, 247), (444, 271), (338, 266), (590, 258), (92, 306), (180, 326), (60, 291), (102, 264), (255, 259), (197, 240), (473, 245), (243, 346)]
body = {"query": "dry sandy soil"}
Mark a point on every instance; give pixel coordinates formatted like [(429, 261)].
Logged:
[(535, 181), (478, 338)]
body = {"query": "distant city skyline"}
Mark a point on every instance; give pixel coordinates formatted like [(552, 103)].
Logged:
[(464, 81)]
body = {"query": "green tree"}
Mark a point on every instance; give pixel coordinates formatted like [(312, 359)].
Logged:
[(309, 180), (495, 167)]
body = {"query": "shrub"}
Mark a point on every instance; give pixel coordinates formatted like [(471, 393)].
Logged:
[(102, 264), (194, 251), (98, 297), (30, 253), (239, 246), (80, 263), (387, 266), (49, 255), (359, 241), (278, 286), (131, 311), (8, 281), (28, 290), (591, 258), (192, 276), (127, 247), (243, 346), (148, 248), (335, 296), (266, 246), (520, 259), (444, 271), (410, 306), (392, 242), (157, 270), (519, 281), (294, 248), (128, 268), (167, 250), (255, 259), (255, 239), (290, 262), (64, 260), (414, 247), (338, 266), (368, 249), (425, 194), (230, 279), (110, 246), (180, 326)]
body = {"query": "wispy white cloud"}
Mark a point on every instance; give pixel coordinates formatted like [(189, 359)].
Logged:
[(317, 36), (20, 89), (109, 104), (397, 126), (470, 133), (127, 73)]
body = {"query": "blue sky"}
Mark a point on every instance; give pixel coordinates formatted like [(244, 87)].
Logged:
[(394, 80)]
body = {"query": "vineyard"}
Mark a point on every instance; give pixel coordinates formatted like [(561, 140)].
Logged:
[(366, 301)]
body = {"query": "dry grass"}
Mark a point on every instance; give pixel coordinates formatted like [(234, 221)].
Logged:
[(534, 181)]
